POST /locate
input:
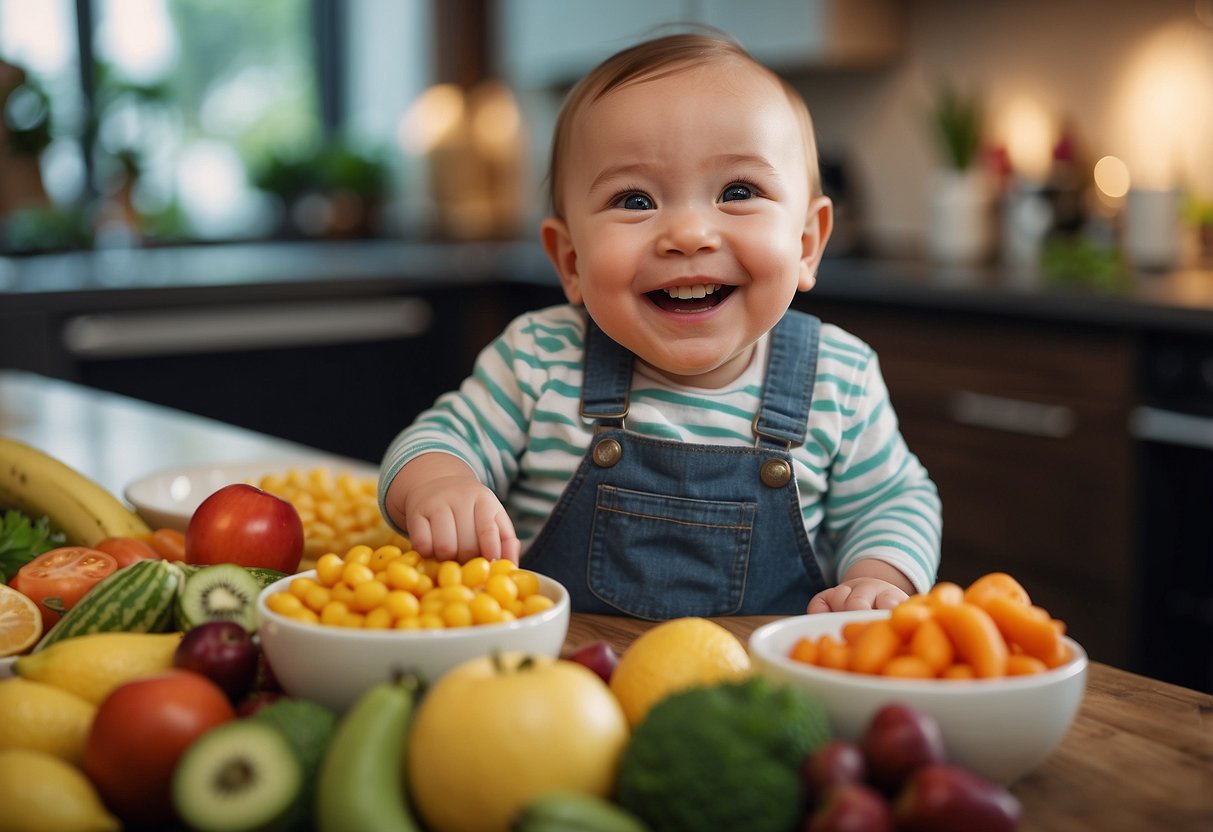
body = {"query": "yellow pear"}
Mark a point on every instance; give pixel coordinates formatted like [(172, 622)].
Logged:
[(91, 666), (42, 717), (39, 791)]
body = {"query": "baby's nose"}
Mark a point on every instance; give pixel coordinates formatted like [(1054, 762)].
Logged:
[(687, 231)]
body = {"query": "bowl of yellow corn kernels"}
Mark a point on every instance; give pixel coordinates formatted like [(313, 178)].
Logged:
[(364, 616)]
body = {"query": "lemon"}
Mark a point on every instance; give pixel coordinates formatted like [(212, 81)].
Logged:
[(91, 666), (41, 717), (39, 791), (20, 622), (673, 656)]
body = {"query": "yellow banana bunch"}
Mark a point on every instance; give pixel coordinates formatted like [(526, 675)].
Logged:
[(37, 484)]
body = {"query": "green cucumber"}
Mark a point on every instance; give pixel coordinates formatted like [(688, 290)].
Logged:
[(136, 599)]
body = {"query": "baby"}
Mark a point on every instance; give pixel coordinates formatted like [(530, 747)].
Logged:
[(675, 441)]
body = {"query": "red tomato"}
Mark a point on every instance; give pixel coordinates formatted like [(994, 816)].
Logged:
[(126, 550), (65, 575), (168, 543), (140, 731), (242, 524)]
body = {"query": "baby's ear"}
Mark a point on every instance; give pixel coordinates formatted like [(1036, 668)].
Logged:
[(558, 243), (817, 228)]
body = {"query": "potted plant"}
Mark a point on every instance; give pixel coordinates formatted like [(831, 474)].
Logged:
[(959, 220)]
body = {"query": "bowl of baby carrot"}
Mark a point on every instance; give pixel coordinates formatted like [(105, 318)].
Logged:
[(998, 673)]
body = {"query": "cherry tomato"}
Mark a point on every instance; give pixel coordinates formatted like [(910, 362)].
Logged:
[(140, 731), (168, 543), (126, 550), (64, 574)]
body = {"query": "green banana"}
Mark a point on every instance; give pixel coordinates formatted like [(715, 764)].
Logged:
[(575, 812), (37, 484), (361, 784)]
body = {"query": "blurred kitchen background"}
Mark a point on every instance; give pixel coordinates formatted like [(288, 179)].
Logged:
[(307, 216)]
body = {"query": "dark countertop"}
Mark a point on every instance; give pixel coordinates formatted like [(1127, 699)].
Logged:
[(1180, 301)]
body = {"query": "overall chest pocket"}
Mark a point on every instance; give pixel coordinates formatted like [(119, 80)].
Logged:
[(655, 556)]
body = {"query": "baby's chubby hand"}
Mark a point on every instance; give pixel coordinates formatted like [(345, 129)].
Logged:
[(458, 519), (858, 594)]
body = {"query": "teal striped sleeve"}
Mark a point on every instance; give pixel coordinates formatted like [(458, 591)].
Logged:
[(881, 502)]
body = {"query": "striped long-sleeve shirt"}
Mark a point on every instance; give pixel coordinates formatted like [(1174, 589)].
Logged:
[(515, 422)]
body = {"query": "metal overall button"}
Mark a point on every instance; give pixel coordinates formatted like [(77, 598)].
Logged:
[(607, 453), (775, 473)]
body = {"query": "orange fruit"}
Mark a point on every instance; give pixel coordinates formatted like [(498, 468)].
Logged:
[(673, 656), (20, 622)]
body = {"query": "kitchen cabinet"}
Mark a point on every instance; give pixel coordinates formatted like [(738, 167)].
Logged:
[(1022, 426), (541, 47)]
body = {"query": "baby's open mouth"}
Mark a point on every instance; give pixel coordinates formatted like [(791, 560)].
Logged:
[(694, 298)]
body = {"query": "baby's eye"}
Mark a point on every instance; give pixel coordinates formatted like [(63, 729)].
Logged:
[(633, 201), (737, 191)]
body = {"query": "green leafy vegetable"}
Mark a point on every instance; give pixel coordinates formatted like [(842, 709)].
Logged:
[(23, 539)]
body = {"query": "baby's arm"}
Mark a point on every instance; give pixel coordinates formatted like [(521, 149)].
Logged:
[(449, 513), (868, 584)]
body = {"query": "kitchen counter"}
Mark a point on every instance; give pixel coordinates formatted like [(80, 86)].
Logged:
[(1138, 756), (1181, 300)]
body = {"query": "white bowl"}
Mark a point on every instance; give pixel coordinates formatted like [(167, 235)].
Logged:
[(336, 665), (167, 499), (999, 728)]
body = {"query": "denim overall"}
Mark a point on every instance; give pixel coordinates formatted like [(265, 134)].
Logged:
[(659, 529)]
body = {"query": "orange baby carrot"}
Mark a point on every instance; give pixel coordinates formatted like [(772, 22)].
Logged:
[(804, 650), (908, 616), (875, 646), (908, 667), (975, 636), (833, 653), (996, 585), (946, 592), (1022, 625), (960, 670), (852, 630), (931, 644), (1024, 665)]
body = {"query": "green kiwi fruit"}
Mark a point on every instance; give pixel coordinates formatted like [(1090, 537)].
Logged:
[(223, 592), (242, 775)]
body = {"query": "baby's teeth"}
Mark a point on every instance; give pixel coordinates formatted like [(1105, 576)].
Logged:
[(699, 290)]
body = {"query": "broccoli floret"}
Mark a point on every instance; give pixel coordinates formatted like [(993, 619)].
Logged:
[(723, 757)]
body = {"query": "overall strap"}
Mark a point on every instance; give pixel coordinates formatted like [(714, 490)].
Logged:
[(606, 377), (787, 391)]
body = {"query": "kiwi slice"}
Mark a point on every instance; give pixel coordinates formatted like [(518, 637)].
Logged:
[(223, 592), (239, 776)]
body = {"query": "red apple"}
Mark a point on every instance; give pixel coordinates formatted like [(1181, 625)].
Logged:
[(837, 762), (945, 798), (222, 651), (898, 740), (598, 656), (244, 525), (852, 807)]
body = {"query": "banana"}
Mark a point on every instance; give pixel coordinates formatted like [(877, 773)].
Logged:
[(36, 483), (361, 784), (575, 812)]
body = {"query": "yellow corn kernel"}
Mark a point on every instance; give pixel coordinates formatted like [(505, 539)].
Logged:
[(359, 554), (305, 616), (300, 586), (429, 567), (400, 575), (456, 594), (457, 614), (333, 613), (431, 621), (475, 572), (356, 573), (412, 557), (284, 603), (384, 555), (503, 588), (401, 604), (502, 566), (536, 603), (449, 574), (352, 619), (431, 606), (317, 598), (424, 584), (378, 619), (368, 595), (329, 568), (410, 623), (485, 609), (527, 583)]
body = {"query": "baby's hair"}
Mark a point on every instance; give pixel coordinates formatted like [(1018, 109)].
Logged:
[(659, 58)]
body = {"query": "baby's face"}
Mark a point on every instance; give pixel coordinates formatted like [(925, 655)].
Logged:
[(686, 203)]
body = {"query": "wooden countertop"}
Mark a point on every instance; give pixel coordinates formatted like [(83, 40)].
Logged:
[(1138, 757)]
